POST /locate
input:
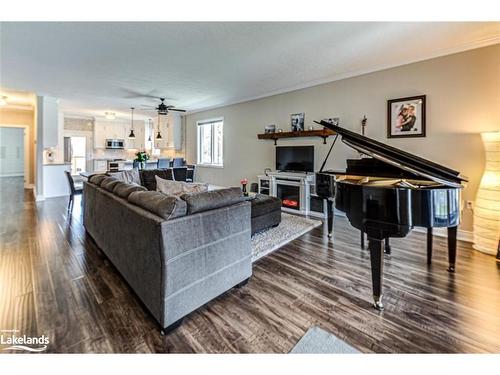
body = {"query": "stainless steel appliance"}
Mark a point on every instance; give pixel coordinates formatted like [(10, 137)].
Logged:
[(115, 144), (116, 165)]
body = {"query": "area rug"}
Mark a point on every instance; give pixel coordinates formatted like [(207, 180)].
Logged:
[(319, 341), (290, 228)]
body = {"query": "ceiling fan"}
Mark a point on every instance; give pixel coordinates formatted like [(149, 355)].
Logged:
[(162, 108)]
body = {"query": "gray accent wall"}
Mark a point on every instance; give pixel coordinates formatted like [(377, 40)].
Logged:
[(463, 99)]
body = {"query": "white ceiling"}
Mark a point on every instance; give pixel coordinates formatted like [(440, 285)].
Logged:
[(96, 67)]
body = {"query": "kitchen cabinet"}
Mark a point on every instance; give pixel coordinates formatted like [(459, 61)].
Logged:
[(139, 143), (109, 129), (171, 131)]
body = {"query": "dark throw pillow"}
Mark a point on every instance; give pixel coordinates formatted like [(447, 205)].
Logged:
[(209, 200)]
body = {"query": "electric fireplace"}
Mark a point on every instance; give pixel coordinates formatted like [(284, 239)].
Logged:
[(289, 195)]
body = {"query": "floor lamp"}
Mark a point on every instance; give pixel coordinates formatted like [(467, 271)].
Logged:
[(487, 210)]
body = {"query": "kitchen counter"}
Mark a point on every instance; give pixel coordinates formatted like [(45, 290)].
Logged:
[(55, 164), (149, 161)]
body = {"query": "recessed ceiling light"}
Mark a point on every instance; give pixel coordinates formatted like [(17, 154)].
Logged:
[(3, 100), (110, 115)]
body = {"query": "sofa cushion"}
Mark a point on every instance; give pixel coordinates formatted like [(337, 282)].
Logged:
[(130, 176), (124, 189), (209, 200), (109, 183), (96, 179), (167, 207), (148, 179), (178, 188)]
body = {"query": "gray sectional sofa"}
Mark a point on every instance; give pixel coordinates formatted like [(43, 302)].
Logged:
[(177, 253)]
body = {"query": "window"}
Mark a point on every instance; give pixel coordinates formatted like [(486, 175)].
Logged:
[(78, 160), (210, 135)]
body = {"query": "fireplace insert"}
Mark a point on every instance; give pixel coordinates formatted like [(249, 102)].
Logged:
[(289, 195)]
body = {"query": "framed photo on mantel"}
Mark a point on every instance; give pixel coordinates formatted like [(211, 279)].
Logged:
[(406, 117)]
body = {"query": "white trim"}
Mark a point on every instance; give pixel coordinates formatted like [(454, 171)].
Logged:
[(337, 77), (218, 166), (38, 198), (462, 235)]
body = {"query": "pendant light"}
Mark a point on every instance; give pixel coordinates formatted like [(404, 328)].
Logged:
[(158, 136), (132, 135), (150, 129)]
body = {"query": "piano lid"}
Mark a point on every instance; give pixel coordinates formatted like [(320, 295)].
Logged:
[(398, 158)]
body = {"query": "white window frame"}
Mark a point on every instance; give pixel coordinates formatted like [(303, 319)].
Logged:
[(198, 142)]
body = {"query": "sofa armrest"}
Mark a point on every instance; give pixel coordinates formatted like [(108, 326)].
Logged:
[(205, 255)]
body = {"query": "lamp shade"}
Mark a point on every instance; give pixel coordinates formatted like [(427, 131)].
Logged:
[(487, 208)]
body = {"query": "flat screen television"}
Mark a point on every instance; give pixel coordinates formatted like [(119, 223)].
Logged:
[(295, 158)]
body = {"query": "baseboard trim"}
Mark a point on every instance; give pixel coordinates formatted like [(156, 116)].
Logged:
[(462, 235), (37, 197), (16, 174)]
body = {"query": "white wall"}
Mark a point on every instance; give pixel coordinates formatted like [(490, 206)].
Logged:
[(11, 151), (463, 99)]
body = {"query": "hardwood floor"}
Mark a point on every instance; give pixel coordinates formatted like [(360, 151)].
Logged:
[(54, 281)]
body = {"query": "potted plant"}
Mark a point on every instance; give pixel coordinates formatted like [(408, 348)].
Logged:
[(141, 157)]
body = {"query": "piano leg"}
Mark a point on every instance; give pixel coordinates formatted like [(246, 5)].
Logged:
[(429, 245), (452, 248), (362, 240), (329, 215), (377, 264), (387, 249)]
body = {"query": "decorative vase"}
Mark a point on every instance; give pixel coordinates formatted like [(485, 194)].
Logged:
[(487, 207), (244, 183)]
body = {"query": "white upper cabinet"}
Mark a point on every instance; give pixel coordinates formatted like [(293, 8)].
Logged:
[(177, 131), (139, 142), (109, 129), (171, 132), (48, 110)]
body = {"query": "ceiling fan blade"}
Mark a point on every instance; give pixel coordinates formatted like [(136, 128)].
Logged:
[(177, 110)]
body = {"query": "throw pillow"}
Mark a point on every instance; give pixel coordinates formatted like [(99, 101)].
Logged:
[(148, 177), (158, 203), (179, 188), (129, 176)]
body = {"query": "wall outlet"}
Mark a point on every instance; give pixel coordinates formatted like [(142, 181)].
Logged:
[(469, 205)]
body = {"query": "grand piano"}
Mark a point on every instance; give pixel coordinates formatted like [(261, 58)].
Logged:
[(386, 193)]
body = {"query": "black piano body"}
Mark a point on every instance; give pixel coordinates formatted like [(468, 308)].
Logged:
[(388, 192)]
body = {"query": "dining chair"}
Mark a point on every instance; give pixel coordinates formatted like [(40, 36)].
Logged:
[(74, 188), (178, 162), (190, 173), (163, 163), (180, 173)]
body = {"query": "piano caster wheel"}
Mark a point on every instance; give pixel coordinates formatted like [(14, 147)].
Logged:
[(451, 268), (377, 303)]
